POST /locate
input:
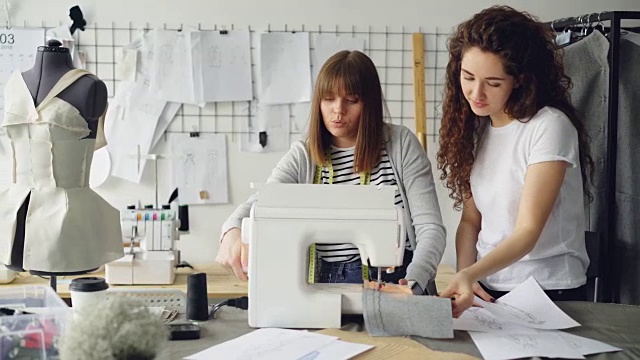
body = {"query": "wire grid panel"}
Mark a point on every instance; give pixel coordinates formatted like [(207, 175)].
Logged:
[(390, 48)]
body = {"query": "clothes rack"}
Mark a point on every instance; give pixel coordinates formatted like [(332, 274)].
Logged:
[(610, 283)]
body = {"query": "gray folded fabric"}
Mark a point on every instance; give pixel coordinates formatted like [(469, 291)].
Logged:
[(393, 314)]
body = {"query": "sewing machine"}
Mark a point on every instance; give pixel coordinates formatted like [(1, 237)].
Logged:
[(152, 256), (285, 220)]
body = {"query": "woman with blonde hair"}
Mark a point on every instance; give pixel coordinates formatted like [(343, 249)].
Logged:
[(350, 143)]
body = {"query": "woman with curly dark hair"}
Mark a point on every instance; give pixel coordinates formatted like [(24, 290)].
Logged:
[(514, 156)]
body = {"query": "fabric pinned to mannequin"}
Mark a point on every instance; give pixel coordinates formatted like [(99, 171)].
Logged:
[(100, 168), (68, 227), (393, 314)]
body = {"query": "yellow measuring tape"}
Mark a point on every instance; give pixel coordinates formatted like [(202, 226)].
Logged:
[(365, 179)]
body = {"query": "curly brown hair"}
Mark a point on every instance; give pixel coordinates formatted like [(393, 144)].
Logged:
[(528, 53)]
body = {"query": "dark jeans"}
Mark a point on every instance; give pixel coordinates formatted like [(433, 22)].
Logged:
[(351, 272), (575, 294)]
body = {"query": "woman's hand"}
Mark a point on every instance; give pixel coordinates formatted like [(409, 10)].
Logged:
[(479, 292), (233, 254), (460, 291)]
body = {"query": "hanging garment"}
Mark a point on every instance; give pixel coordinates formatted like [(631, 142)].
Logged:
[(586, 63), (626, 254), (68, 227)]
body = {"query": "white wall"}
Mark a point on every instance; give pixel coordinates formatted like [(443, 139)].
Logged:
[(201, 245)]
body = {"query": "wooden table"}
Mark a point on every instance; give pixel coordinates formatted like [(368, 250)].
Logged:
[(220, 282)]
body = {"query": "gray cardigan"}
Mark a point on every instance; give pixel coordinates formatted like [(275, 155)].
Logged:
[(412, 171)]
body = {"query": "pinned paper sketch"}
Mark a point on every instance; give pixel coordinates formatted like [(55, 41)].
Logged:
[(226, 66), (200, 168), (174, 60), (301, 113), (19, 53), (326, 45), (165, 119), (126, 61), (143, 48), (285, 69), (268, 130), (130, 127)]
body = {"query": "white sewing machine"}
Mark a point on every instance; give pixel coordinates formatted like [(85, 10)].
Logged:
[(285, 220), (152, 254)]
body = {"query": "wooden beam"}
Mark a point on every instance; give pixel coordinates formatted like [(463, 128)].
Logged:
[(419, 97)]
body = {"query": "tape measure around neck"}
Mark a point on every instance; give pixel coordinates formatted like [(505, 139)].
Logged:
[(365, 179)]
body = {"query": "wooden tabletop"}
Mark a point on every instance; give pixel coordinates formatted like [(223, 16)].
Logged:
[(220, 282)]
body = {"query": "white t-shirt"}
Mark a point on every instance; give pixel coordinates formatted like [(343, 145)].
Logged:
[(559, 260)]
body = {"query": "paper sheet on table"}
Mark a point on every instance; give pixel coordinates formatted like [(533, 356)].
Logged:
[(337, 350), (526, 306), (199, 167), (392, 347), (269, 343), (226, 66), (521, 324), (285, 69), (327, 45), (513, 346), (586, 346), (547, 343), (274, 120), (479, 319), (176, 58), (529, 306), (21, 54)]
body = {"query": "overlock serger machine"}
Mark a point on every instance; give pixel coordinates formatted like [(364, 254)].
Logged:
[(152, 254), (286, 220)]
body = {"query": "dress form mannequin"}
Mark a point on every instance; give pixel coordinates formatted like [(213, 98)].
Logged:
[(88, 94), (82, 100)]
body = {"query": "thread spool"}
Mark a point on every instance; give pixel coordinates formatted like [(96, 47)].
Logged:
[(197, 301), (183, 215)]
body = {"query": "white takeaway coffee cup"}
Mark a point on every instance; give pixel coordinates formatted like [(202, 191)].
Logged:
[(87, 292)]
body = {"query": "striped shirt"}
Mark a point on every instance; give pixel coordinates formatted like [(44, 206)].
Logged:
[(343, 173)]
